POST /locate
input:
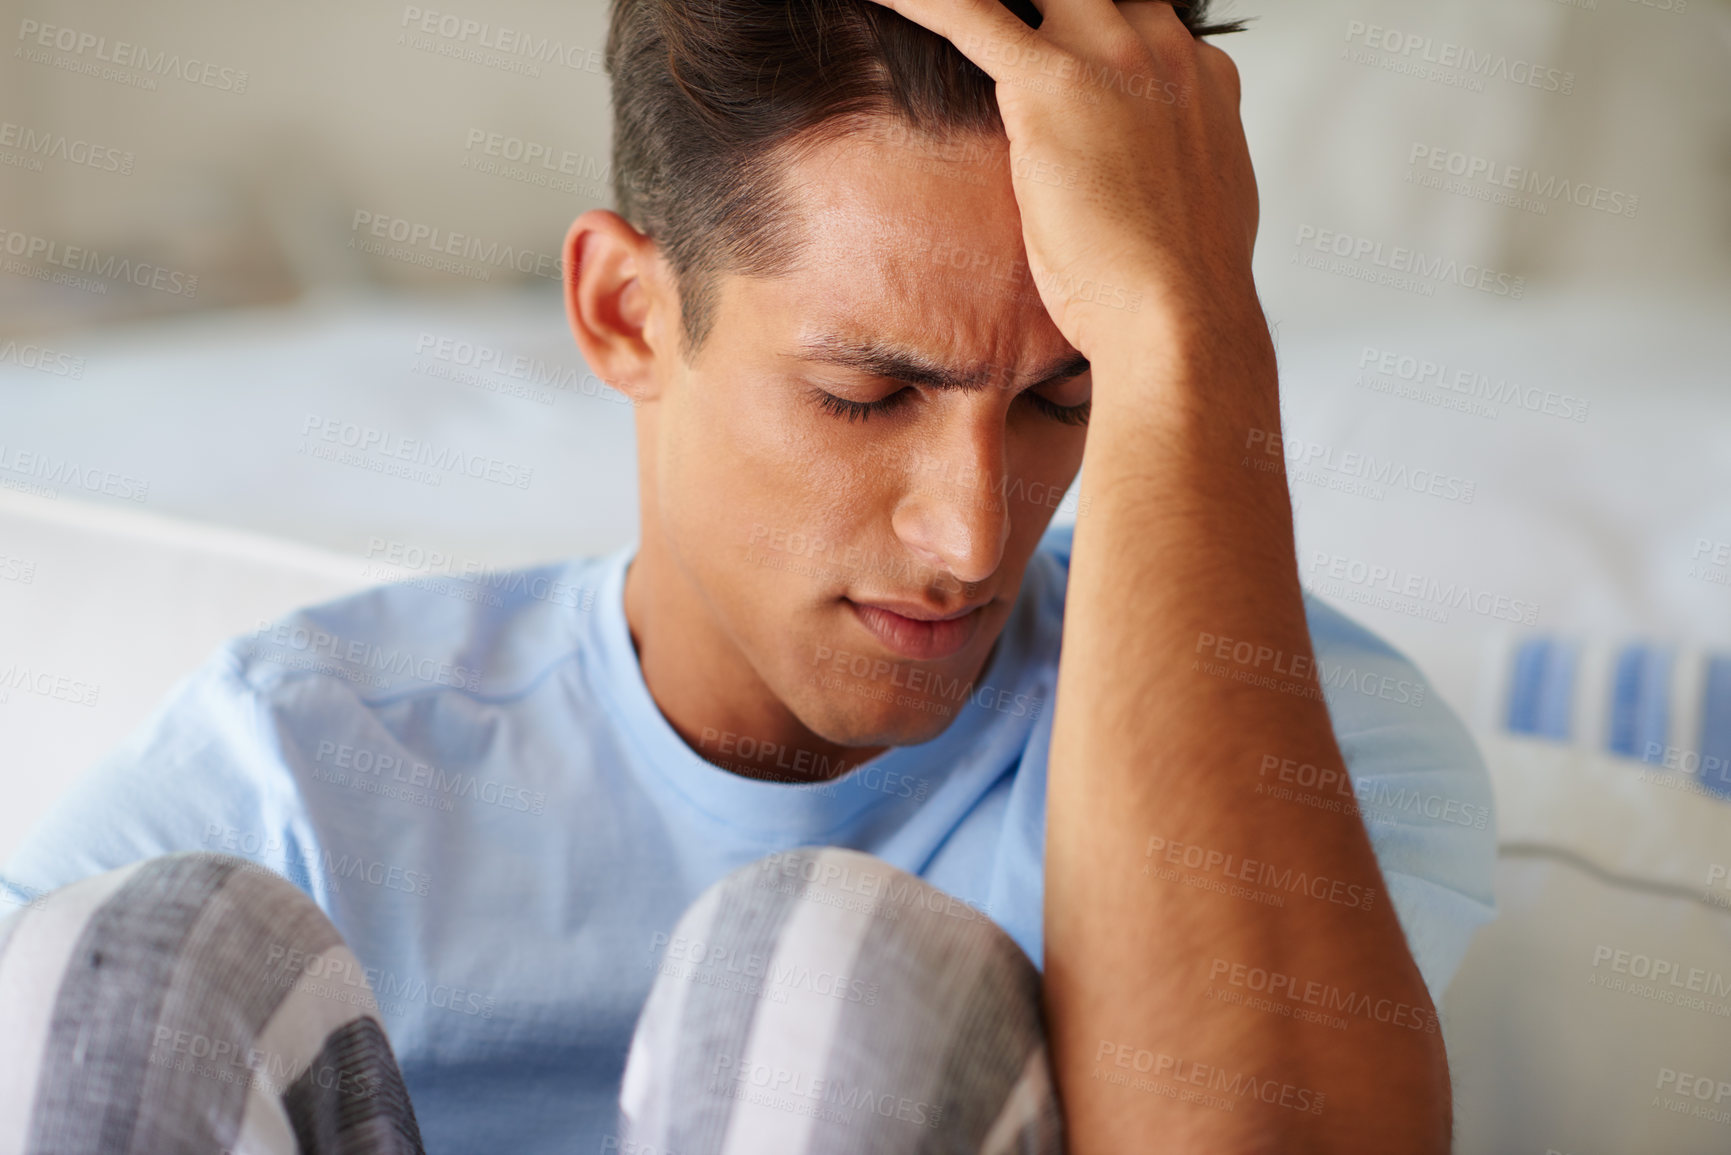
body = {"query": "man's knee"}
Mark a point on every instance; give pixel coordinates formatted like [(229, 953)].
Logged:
[(854, 880), (167, 992), (832, 965), (196, 903), (173, 878), (821, 893)]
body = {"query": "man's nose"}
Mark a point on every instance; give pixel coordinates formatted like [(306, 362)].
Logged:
[(953, 514)]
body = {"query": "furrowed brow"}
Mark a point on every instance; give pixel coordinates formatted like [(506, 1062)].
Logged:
[(897, 364), (1062, 370)]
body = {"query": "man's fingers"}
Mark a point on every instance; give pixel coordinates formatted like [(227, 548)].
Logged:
[(1157, 23), (1179, 53), (1079, 24), (1009, 51), (1219, 74), (1153, 18), (984, 31), (1221, 70)]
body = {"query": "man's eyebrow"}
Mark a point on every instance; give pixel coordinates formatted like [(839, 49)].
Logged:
[(898, 364)]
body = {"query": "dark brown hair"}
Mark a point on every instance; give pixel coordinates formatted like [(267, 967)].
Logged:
[(711, 97)]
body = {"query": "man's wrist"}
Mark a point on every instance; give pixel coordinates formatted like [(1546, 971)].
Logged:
[(1173, 406), (1213, 346)]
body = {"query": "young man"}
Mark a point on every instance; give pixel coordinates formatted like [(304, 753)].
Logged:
[(1200, 880)]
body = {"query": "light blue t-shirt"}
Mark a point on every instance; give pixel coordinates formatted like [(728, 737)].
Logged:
[(473, 781)]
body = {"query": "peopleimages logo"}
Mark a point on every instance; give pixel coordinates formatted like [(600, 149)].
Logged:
[(335, 868), (533, 155), (1523, 188), (81, 259), (1256, 872), (798, 1093), (37, 144), (1390, 579), (438, 242), (35, 35), (1277, 984), (1686, 1086), (534, 371), (61, 687), (431, 458), (1180, 1070), (489, 43), (1396, 266), (1382, 369), (1371, 798), (1291, 673), (367, 770), (66, 472), (1446, 61), (356, 656), (41, 359), (1353, 471)]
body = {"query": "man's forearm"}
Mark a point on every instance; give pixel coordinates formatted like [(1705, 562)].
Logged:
[(1166, 868)]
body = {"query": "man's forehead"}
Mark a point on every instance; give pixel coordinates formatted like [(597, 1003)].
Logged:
[(914, 273), (956, 232), (898, 313), (859, 189)]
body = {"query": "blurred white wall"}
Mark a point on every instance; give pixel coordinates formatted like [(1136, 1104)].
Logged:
[(1646, 114), (357, 107), (345, 108)]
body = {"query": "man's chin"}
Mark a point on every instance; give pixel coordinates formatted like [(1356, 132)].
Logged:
[(845, 720)]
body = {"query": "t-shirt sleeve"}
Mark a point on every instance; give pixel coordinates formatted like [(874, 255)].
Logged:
[(202, 773), (1420, 785)]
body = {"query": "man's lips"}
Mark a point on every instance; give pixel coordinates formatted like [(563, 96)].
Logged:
[(919, 613), (917, 632)]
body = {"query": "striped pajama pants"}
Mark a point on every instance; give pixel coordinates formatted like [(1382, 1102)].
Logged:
[(174, 1006)]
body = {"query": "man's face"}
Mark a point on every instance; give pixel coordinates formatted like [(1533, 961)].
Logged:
[(791, 518)]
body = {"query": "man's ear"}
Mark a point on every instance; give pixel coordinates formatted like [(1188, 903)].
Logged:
[(617, 302)]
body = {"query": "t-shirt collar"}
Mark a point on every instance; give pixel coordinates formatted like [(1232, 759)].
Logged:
[(778, 808)]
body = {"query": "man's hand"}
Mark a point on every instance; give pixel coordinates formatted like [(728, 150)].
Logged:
[(1128, 160), (1131, 175)]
